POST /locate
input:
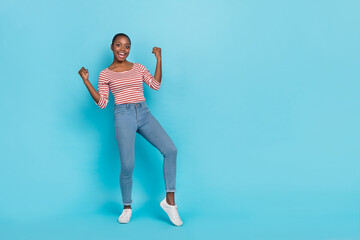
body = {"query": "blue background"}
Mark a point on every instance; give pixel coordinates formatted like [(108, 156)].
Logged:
[(261, 99)]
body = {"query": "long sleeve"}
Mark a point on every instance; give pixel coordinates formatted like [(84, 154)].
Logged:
[(103, 89), (149, 79)]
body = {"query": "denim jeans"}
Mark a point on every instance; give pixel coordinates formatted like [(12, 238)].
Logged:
[(132, 118)]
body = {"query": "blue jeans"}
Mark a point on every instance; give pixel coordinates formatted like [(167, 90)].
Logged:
[(132, 118)]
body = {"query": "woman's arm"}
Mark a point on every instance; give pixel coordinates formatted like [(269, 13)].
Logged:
[(157, 75), (84, 73), (95, 95)]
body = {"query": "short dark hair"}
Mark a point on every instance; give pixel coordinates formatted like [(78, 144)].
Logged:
[(118, 35)]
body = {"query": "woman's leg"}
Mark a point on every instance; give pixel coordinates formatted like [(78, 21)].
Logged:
[(153, 132), (125, 131)]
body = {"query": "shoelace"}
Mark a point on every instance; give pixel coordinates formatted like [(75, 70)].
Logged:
[(125, 213)]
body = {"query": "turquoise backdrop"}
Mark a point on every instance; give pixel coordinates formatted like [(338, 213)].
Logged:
[(260, 97)]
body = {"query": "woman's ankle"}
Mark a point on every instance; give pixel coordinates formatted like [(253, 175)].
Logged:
[(170, 198)]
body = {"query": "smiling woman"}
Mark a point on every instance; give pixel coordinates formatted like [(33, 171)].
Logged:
[(121, 45), (132, 115)]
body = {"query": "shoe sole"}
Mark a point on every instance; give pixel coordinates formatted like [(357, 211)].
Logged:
[(123, 222)]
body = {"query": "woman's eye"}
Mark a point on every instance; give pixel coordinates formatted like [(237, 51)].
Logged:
[(118, 45), (127, 47)]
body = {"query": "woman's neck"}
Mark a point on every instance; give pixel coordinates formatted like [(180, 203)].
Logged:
[(116, 63)]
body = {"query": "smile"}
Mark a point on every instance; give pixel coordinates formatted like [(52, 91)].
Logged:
[(122, 55)]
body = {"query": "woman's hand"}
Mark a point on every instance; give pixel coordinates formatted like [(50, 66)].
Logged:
[(84, 73), (157, 52)]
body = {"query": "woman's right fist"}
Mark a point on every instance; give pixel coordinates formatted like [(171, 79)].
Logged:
[(84, 73)]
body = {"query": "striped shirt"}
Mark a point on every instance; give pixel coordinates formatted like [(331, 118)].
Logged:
[(126, 86)]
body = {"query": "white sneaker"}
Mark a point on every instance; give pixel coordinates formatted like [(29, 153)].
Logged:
[(125, 216), (172, 212)]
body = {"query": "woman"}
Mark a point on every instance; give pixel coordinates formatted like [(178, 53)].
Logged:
[(132, 115)]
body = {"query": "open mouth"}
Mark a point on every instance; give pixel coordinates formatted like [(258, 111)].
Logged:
[(121, 55)]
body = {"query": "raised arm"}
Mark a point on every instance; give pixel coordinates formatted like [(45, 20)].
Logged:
[(149, 79), (101, 98), (153, 82), (157, 52)]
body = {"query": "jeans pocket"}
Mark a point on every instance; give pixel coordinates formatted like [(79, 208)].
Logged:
[(119, 111), (144, 109)]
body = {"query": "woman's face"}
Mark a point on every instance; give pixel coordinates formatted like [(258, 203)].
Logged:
[(121, 48)]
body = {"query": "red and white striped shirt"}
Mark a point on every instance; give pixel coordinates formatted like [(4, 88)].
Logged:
[(126, 86)]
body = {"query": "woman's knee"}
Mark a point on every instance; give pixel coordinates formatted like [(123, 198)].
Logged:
[(171, 151), (127, 169)]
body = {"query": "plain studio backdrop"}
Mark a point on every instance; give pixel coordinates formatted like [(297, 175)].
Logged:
[(260, 97)]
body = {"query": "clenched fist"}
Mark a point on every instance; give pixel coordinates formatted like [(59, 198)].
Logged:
[(157, 52), (84, 73)]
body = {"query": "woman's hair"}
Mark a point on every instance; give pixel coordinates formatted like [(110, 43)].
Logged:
[(118, 35)]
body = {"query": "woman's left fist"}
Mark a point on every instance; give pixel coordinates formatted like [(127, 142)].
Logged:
[(157, 52)]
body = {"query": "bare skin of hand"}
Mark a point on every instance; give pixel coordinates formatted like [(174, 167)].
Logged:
[(158, 72), (84, 74), (157, 52)]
